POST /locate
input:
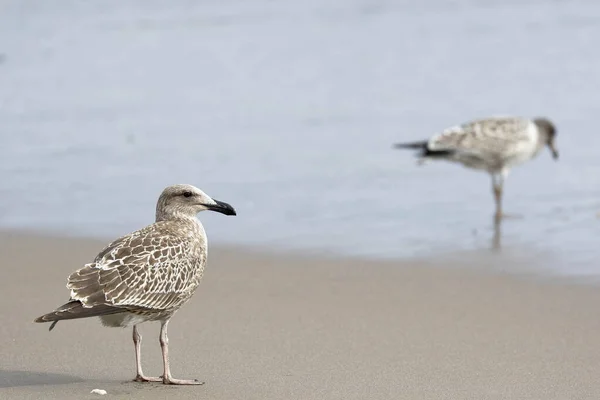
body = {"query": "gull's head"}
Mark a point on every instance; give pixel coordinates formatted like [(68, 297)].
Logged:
[(548, 131), (187, 201)]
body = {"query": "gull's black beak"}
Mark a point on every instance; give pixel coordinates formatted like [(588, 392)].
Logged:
[(554, 151), (222, 207)]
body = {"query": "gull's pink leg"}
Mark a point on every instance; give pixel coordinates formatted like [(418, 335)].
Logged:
[(497, 184), (139, 377), (164, 344)]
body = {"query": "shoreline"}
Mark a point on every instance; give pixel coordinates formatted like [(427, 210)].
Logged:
[(528, 268), (283, 326)]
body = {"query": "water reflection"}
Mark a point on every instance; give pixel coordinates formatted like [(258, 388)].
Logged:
[(497, 236)]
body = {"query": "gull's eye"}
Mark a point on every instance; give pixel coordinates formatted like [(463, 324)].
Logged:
[(187, 193)]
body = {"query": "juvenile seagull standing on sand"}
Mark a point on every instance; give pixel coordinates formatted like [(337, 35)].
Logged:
[(146, 275), (493, 144)]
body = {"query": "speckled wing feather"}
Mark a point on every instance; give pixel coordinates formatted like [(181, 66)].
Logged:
[(486, 137), (156, 268)]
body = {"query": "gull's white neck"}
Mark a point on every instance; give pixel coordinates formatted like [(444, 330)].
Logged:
[(174, 215)]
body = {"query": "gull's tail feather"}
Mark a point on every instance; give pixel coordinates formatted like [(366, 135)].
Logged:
[(424, 150), (422, 144), (74, 309)]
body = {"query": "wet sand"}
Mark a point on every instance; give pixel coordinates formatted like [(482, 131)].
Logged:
[(286, 327)]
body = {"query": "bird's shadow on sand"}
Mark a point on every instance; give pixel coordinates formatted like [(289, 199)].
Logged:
[(30, 378)]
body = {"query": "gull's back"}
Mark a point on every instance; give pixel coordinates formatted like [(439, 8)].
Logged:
[(490, 144), (153, 270)]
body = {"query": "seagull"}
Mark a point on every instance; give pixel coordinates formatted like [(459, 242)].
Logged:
[(146, 275), (493, 144)]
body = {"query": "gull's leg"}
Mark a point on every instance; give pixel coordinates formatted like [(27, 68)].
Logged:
[(164, 344), (137, 341), (497, 183)]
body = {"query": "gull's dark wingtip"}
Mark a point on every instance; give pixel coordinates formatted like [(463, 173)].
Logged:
[(411, 145), (41, 319), (44, 318)]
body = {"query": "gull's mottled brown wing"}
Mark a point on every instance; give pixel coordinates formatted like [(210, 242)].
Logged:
[(485, 137), (154, 268)]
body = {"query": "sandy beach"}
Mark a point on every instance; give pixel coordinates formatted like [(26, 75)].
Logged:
[(286, 327)]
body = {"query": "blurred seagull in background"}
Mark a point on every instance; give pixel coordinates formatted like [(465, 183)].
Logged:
[(493, 144)]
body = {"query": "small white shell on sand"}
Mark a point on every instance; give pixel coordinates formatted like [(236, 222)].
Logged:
[(99, 391)]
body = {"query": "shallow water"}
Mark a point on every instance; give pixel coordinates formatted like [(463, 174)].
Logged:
[(288, 111)]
